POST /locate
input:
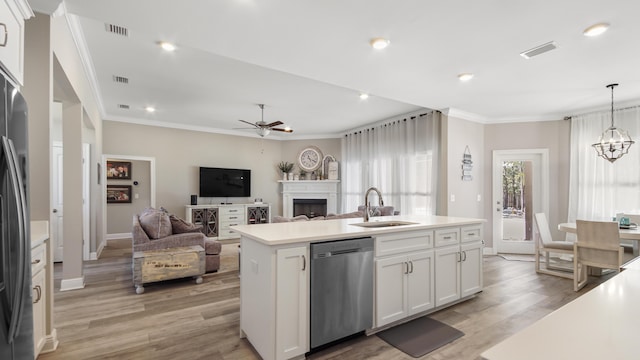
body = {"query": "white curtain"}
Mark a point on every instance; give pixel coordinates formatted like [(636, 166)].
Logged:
[(399, 157), (599, 189)]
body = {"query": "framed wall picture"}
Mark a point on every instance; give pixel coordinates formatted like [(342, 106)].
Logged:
[(118, 194), (118, 170)]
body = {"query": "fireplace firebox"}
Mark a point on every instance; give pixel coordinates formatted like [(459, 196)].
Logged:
[(310, 207)]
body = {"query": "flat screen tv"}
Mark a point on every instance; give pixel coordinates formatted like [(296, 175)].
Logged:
[(219, 182)]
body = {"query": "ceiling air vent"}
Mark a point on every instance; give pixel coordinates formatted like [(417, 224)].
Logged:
[(120, 79), (115, 29), (123, 106), (539, 50)]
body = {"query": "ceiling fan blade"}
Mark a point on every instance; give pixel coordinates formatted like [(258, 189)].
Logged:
[(246, 122), (275, 123), (283, 130)]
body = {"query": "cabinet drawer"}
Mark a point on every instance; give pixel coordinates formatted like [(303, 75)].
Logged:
[(448, 236), (38, 258), (471, 233), (231, 210), (236, 218), (404, 242), (227, 233)]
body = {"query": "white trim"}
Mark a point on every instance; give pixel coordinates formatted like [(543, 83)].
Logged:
[(86, 201), (25, 9), (118, 236), (77, 34), (489, 251), (50, 342), (199, 128), (72, 284), (465, 115), (496, 184)]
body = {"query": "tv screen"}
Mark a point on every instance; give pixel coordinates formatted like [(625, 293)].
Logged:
[(219, 182)]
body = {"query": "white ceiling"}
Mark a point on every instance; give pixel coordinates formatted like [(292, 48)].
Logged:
[(309, 60)]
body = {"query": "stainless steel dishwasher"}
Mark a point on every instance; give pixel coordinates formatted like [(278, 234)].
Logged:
[(341, 289)]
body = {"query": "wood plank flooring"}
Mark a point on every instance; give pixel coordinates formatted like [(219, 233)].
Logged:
[(178, 319)]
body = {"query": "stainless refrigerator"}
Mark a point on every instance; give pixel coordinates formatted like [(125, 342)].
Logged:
[(16, 317)]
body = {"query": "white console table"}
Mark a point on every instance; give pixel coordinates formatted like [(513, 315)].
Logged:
[(216, 219)]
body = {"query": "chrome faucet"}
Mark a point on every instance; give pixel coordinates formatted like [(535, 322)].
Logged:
[(366, 202)]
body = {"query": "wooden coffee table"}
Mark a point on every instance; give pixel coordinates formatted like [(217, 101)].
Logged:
[(166, 264)]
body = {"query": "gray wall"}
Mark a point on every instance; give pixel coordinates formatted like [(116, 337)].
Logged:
[(180, 153), (552, 135), (119, 215)]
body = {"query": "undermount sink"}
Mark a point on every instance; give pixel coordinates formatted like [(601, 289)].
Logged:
[(379, 224)]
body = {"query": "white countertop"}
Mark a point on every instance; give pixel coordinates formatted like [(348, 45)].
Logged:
[(601, 324), (39, 232), (323, 230)]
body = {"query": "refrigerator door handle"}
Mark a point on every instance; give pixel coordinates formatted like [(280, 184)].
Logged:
[(16, 181)]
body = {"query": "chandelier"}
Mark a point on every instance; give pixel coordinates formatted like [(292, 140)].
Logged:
[(613, 142)]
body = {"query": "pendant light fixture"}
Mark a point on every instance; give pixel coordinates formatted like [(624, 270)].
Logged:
[(613, 142)]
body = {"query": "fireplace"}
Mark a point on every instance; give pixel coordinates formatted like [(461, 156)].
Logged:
[(326, 190), (310, 207)]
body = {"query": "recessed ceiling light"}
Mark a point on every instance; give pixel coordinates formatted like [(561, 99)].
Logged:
[(166, 46), (364, 96), (595, 30), (150, 109), (379, 43), (465, 76)]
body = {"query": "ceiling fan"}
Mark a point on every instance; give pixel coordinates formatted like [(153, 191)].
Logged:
[(262, 128)]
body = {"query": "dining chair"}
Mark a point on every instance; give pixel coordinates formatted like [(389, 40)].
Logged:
[(598, 245), (545, 245)]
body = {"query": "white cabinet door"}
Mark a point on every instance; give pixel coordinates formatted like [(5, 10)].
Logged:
[(471, 269), (12, 38), (447, 274), (292, 302), (391, 285), (38, 290), (420, 295)]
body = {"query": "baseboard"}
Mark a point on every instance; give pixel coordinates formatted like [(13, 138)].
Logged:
[(93, 255), (118, 236), (72, 284), (50, 342), (488, 251)]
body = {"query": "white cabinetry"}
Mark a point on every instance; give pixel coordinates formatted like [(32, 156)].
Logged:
[(39, 295), (274, 306), (12, 16), (404, 276), (458, 263), (229, 216), (292, 304)]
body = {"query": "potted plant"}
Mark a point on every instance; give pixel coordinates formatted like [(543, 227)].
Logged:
[(286, 168)]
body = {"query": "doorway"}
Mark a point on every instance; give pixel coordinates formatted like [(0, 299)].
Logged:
[(520, 189)]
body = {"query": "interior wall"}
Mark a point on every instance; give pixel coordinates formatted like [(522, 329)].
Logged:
[(552, 135), (464, 198), (179, 155), (119, 216), (291, 149)]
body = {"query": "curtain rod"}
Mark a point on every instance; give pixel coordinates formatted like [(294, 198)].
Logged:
[(390, 122), (597, 111)]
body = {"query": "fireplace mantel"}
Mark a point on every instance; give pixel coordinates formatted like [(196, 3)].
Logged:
[(309, 189)]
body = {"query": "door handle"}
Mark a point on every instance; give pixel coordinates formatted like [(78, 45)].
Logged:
[(4, 36), (304, 263), (55, 211)]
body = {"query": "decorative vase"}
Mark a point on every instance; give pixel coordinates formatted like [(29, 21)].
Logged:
[(290, 176), (314, 176), (284, 176), (296, 177)]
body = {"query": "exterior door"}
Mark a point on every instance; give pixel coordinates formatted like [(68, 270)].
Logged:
[(56, 202), (520, 189)]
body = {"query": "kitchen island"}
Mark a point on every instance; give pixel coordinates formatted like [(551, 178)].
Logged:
[(421, 264)]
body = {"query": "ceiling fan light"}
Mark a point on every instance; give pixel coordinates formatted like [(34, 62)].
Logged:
[(263, 132), (595, 30)]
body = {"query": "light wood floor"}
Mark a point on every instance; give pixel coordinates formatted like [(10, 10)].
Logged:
[(181, 320)]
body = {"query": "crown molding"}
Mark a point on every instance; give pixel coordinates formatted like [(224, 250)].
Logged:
[(465, 115)]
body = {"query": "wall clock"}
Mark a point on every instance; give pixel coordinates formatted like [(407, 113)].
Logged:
[(310, 158)]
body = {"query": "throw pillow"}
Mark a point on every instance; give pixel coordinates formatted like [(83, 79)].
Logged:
[(180, 226), (155, 223)]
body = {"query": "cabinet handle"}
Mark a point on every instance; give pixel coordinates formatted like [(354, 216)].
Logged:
[(38, 290), (36, 261), (406, 269), (304, 263), (447, 237), (5, 36), (411, 262), (471, 234), (465, 256), (459, 256)]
